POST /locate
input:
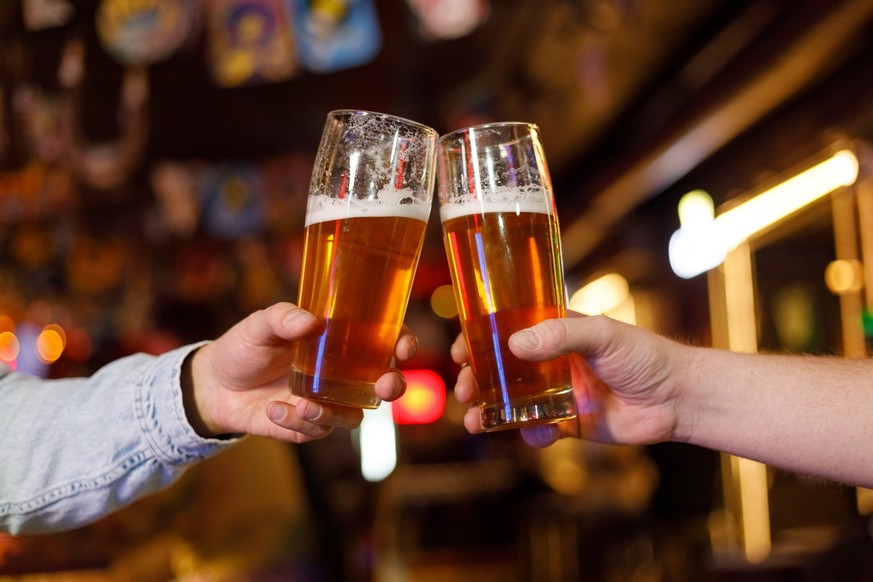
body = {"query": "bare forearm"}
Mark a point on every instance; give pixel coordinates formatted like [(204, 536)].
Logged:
[(802, 413)]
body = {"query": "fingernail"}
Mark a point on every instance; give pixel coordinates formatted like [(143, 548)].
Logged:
[(414, 349), (312, 410), (526, 339), (276, 412), (298, 318)]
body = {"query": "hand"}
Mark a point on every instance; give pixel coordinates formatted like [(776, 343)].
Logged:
[(621, 379), (240, 381)]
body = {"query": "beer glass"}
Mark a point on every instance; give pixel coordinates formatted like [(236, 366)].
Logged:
[(501, 236), (369, 200)]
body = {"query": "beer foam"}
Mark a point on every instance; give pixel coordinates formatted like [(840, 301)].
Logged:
[(508, 199), (391, 202)]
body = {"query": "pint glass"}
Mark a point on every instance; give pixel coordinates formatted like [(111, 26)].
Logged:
[(502, 240), (369, 201)]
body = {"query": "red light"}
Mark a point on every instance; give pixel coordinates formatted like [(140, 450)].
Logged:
[(424, 400)]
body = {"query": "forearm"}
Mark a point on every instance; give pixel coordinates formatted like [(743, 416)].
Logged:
[(74, 450), (802, 413)]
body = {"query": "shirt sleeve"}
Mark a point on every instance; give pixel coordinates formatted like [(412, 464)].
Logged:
[(74, 450)]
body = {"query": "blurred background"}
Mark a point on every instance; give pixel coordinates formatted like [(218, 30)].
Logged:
[(154, 163)]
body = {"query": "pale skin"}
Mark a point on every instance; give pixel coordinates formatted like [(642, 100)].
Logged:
[(238, 384), (807, 414)]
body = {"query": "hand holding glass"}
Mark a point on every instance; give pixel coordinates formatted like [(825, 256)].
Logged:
[(503, 244), (369, 201)]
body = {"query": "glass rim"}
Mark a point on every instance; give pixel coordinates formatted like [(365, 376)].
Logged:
[(489, 125), (405, 120)]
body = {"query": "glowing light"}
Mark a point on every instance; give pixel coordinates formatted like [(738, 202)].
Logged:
[(9, 347), (50, 343), (442, 302), (378, 442), (696, 209), (6, 323), (844, 276), (424, 400), (696, 247), (601, 295), (694, 250)]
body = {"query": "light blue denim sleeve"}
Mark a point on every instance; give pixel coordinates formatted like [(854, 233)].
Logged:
[(74, 450)]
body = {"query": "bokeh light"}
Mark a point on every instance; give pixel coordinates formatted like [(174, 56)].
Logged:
[(50, 343), (442, 301), (9, 347)]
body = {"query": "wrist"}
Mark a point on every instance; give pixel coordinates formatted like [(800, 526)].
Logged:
[(688, 365), (192, 398)]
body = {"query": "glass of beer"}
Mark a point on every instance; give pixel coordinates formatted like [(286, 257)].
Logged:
[(369, 199), (501, 236)]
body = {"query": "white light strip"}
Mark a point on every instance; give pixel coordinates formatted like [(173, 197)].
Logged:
[(378, 440), (740, 223), (698, 248)]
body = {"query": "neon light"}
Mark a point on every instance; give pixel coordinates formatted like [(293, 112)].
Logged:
[(330, 306), (492, 320)]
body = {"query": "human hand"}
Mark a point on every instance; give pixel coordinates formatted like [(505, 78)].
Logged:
[(622, 379), (240, 381)]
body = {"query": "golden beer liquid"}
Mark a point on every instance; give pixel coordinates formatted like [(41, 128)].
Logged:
[(356, 278), (507, 274)]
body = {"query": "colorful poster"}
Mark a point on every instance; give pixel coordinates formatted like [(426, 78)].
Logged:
[(250, 42), (336, 34), (143, 32), (232, 200)]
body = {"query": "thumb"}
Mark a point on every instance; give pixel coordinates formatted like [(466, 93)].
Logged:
[(283, 320), (582, 334)]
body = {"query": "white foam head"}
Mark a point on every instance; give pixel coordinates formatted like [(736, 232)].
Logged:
[(509, 199), (389, 203)]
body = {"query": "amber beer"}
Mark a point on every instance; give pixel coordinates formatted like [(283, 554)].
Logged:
[(498, 297), (503, 245), (367, 210), (356, 277)]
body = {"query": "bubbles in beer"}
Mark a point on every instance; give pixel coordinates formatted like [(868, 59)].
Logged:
[(387, 202)]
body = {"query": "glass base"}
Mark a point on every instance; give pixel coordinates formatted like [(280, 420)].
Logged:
[(542, 409), (357, 394)]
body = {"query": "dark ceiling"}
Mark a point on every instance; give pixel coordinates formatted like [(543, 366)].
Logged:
[(631, 95)]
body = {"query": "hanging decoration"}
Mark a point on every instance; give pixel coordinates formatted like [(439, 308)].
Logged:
[(144, 32), (178, 200), (232, 200), (336, 34), (448, 19), (250, 42), (45, 14), (106, 165)]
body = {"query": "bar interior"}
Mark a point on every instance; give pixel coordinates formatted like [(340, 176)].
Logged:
[(155, 160)]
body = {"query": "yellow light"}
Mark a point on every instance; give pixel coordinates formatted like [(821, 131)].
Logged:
[(8, 346), (694, 250), (844, 276), (442, 302), (696, 209), (740, 223), (50, 343), (601, 295)]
